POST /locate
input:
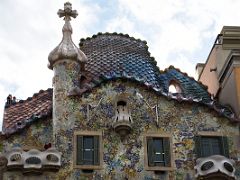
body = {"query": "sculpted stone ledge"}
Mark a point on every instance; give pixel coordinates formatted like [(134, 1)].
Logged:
[(33, 161)]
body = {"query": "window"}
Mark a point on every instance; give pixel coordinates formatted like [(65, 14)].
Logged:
[(174, 87), (87, 150), (158, 153), (211, 145)]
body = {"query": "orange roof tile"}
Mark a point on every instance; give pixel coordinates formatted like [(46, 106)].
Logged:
[(19, 115)]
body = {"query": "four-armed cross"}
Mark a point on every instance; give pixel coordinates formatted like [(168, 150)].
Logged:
[(67, 12)]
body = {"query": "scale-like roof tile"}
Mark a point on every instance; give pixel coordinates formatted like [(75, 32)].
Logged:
[(117, 55), (190, 87)]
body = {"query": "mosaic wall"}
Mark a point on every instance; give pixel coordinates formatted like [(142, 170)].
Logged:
[(35, 136), (125, 159)]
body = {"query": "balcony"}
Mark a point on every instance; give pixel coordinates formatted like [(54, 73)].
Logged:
[(123, 120), (215, 167), (33, 161)]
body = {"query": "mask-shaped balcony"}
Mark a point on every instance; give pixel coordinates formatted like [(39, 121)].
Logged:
[(215, 167), (123, 120), (33, 161)]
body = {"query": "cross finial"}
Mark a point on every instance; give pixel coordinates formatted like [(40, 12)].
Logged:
[(67, 12), (67, 49)]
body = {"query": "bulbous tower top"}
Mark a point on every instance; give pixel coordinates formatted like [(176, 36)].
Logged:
[(66, 49)]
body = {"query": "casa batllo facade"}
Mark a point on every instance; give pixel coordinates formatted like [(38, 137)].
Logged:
[(110, 115)]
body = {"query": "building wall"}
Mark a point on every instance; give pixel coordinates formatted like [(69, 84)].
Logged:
[(229, 87), (221, 57), (34, 136), (224, 54), (228, 90), (126, 159), (210, 78), (18, 175), (237, 84), (2, 138)]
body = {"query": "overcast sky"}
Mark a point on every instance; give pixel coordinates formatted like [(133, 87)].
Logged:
[(178, 32)]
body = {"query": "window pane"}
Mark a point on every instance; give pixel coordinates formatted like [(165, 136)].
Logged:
[(88, 157), (206, 147), (88, 142), (150, 151), (158, 151), (157, 144), (216, 146), (211, 146), (88, 150)]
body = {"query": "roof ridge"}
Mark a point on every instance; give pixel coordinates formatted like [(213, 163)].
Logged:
[(29, 98), (114, 34), (185, 74)]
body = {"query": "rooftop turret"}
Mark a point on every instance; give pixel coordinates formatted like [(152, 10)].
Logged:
[(66, 49)]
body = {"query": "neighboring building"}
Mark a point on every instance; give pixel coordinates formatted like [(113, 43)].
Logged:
[(111, 115), (221, 72)]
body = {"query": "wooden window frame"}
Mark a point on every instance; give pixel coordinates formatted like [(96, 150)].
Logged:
[(224, 139), (158, 168), (87, 133)]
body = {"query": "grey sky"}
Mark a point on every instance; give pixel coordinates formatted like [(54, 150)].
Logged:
[(178, 32)]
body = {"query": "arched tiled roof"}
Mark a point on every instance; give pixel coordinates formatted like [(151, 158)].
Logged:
[(115, 56), (190, 87)]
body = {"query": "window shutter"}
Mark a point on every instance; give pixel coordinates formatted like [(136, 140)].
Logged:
[(225, 148), (96, 150), (150, 152), (79, 150), (198, 147), (167, 154)]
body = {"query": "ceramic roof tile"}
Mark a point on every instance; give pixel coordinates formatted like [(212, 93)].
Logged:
[(19, 115), (117, 55)]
